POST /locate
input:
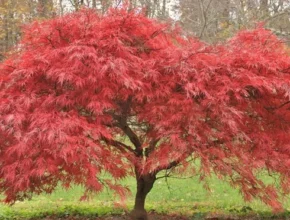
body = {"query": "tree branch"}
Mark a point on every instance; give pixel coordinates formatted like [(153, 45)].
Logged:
[(169, 166), (131, 135), (118, 145), (270, 108), (122, 123), (204, 16), (285, 70), (151, 147), (174, 163), (276, 15)]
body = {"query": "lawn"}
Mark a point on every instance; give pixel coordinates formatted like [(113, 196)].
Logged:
[(173, 196)]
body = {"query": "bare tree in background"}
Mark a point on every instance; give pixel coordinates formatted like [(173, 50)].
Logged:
[(210, 20), (45, 8), (77, 4), (13, 13), (60, 7), (204, 18), (155, 8), (213, 20)]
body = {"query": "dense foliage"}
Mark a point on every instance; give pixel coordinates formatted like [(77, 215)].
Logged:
[(123, 94)]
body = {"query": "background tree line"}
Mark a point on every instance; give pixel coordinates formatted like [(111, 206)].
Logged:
[(210, 20)]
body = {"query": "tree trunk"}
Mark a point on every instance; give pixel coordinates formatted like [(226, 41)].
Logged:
[(94, 4), (144, 186), (264, 8), (164, 9), (45, 8), (60, 7)]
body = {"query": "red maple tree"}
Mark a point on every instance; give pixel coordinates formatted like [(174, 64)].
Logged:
[(122, 94)]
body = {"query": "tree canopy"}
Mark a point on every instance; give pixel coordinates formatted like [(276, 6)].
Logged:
[(127, 95)]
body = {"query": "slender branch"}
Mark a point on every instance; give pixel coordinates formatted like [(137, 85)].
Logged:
[(173, 164), (12, 67), (118, 145), (131, 135), (61, 35), (277, 15), (204, 16), (207, 7), (175, 177), (167, 174), (280, 106), (151, 147), (285, 70), (50, 41), (123, 125), (169, 166), (277, 107)]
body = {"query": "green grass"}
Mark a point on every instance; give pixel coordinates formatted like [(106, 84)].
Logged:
[(177, 196)]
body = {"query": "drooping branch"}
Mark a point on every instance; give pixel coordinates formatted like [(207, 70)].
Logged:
[(285, 70), (121, 146), (272, 108), (117, 144), (174, 163), (151, 146), (282, 13), (123, 125), (169, 166)]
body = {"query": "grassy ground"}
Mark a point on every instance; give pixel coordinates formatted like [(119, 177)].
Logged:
[(176, 196)]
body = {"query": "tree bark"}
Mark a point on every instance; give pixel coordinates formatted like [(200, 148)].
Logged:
[(164, 9), (61, 8), (144, 186), (45, 8), (94, 4), (264, 8)]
